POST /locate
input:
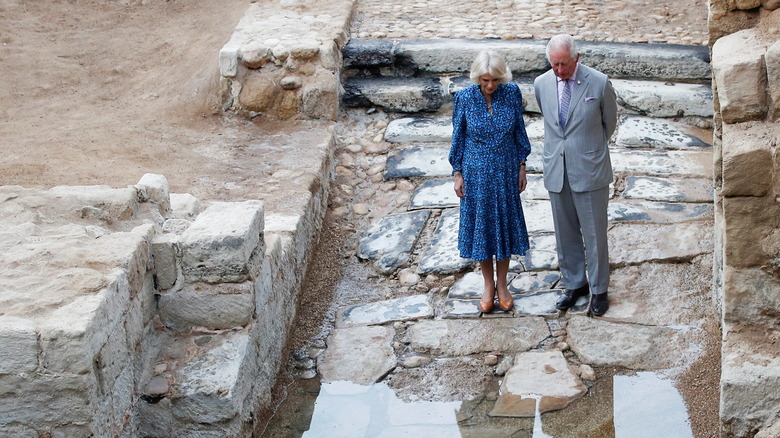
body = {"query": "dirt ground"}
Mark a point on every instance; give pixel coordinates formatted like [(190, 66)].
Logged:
[(101, 92)]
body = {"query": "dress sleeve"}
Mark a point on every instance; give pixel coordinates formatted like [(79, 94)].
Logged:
[(521, 137), (458, 132)]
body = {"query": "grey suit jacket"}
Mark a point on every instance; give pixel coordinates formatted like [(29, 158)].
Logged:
[(584, 143)]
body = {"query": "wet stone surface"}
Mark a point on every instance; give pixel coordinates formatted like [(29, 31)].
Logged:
[(390, 242)]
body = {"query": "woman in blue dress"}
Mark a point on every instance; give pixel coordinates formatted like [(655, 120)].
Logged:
[(489, 149)]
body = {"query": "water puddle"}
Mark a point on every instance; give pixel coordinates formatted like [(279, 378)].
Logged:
[(640, 405)]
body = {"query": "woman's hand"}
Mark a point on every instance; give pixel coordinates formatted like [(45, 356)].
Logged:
[(522, 183), (459, 185)]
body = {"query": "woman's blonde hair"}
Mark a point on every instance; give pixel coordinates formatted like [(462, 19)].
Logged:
[(488, 62)]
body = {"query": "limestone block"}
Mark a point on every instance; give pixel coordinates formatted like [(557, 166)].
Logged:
[(258, 92), (184, 205), (637, 243), (102, 203), (740, 55), (330, 56), (165, 255), (750, 379), (228, 58), (747, 222), (72, 431), (539, 374), (19, 352), (46, 399), (320, 95), (74, 334), (221, 243), (255, 56), (154, 187), (460, 338), (750, 294), (747, 161), (360, 355), (639, 347), (155, 417), (289, 105), (770, 5), (213, 383), (773, 73), (215, 307)]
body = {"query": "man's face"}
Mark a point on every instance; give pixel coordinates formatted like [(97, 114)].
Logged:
[(563, 64)]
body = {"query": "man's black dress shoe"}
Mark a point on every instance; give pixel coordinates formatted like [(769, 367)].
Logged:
[(570, 296), (599, 304)]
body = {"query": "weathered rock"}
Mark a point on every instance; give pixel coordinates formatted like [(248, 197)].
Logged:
[(772, 58), (460, 338), (749, 376), (440, 380), (639, 347), (442, 255), (751, 296), (419, 130), (415, 161), (154, 187), (320, 95), (394, 94), (749, 231), (398, 309), (740, 55), (221, 243), (637, 243), (747, 160), (258, 93), (658, 212), (669, 189), (184, 205), (20, 345), (537, 375), (216, 307), (542, 255), (662, 162), (435, 193), (664, 99), (646, 132), (359, 355), (390, 241)]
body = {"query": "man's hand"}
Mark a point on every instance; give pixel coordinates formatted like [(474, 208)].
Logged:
[(459, 185)]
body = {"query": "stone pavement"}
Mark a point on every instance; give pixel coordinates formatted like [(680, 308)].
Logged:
[(428, 341)]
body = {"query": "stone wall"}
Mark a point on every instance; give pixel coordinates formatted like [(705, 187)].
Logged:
[(745, 42), (284, 59)]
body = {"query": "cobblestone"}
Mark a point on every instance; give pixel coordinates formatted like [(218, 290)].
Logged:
[(638, 21)]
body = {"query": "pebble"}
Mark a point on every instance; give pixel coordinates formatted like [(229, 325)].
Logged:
[(408, 277), (491, 359), (563, 346), (361, 209), (586, 372), (415, 362), (405, 185)]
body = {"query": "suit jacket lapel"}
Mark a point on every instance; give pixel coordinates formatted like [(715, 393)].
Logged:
[(579, 90)]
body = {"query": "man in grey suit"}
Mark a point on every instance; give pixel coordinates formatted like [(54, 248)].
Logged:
[(580, 115)]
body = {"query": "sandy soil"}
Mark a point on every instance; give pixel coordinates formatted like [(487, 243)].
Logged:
[(101, 92)]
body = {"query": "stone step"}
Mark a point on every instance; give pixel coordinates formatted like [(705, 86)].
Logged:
[(431, 161), (410, 95), (419, 57), (647, 132), (200, 380)]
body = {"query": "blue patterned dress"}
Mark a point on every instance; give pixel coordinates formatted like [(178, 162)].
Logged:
[(487, 149)]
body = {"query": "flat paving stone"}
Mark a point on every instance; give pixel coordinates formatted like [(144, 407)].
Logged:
[(658, 212), (535, 188), (469, 287), (662, 162), (442, 255), (419, 130), (647, 132), (435, 193), (640, 243), (600, 342), (543, 303), (409, 95), (441, 379), (538, 216), (664, 99), (538, 375), (464, 337), (390, 241), (418, 161), (542, 255), (662, 294), (359, 355), (398, 309), (669, 189), (461, 309), (534, 281)]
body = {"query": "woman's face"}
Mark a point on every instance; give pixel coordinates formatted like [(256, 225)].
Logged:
[(488, 84)]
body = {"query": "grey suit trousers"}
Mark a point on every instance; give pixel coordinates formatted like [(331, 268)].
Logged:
[(580, 220)]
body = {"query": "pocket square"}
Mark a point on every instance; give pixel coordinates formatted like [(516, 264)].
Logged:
[(591, 99)]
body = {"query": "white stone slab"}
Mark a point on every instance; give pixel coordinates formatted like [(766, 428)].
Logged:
[(435, 193), (535, 188), (419, 130), (543, 303), (359, 355), (658, 212), (418, 161), (544, 374), (19, 340), (534, 281), (390, 241), (646, 132), (662, 162), (398, 309), (669, 189), (442, 255), (665, 99), (639, 243), (464, 337), (459, 308), (600, 342), (542, 255), (538, 216)]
